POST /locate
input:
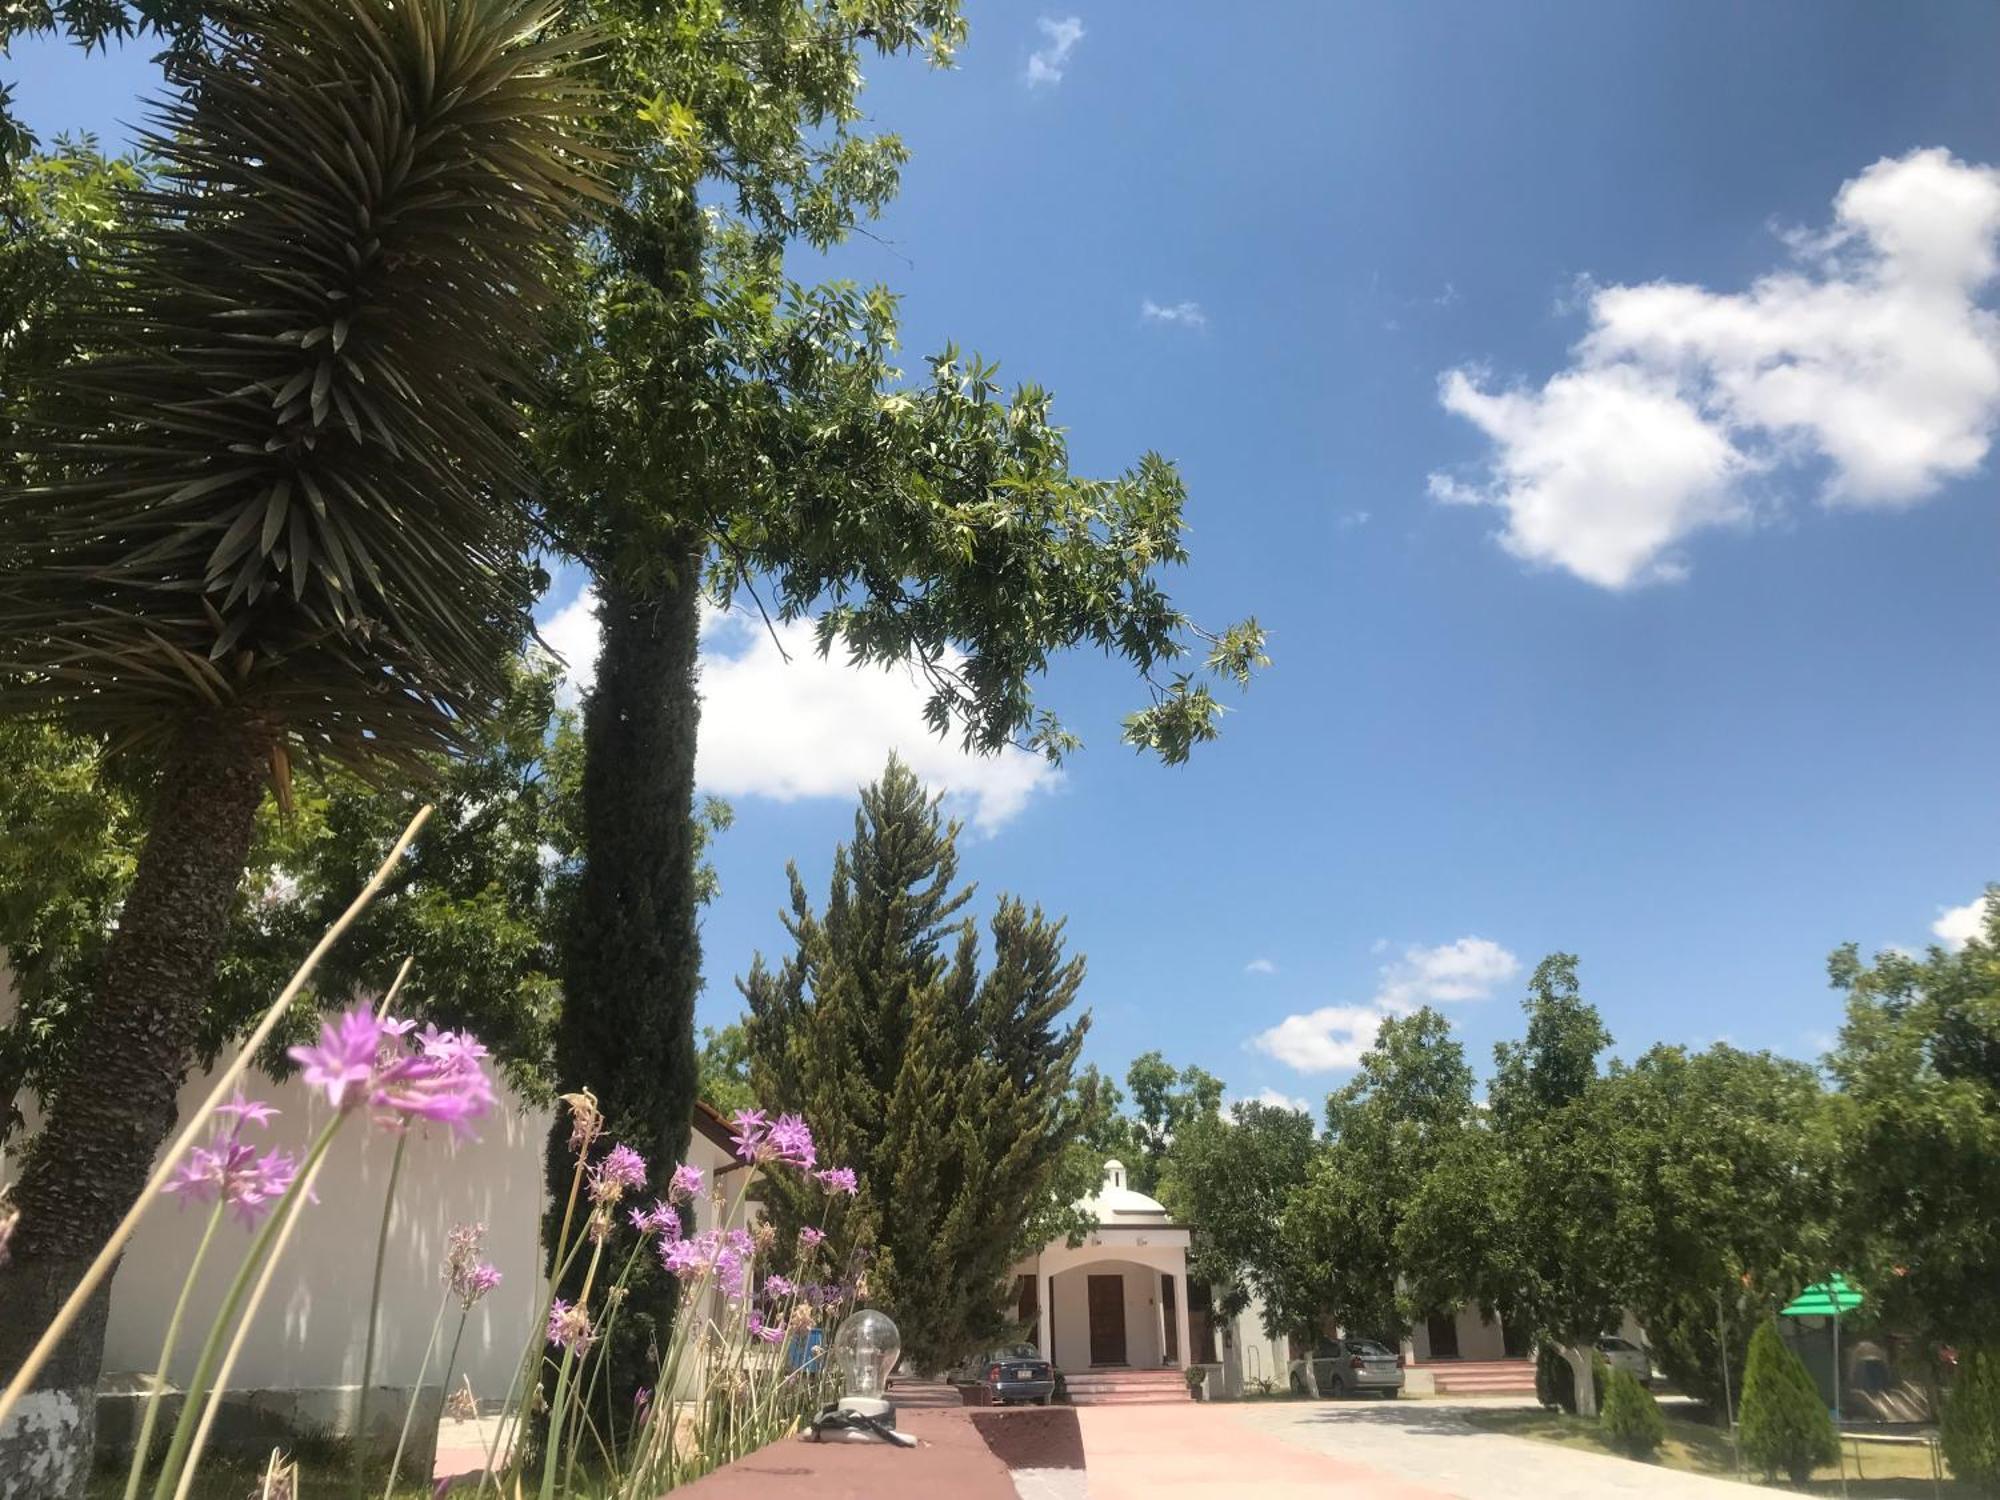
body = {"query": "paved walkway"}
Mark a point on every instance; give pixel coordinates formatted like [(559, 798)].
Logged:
[(1403, 1450)]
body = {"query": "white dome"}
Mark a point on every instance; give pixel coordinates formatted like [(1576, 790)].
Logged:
[(1116, 1203)]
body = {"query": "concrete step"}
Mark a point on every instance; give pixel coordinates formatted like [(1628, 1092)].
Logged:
[(1125, 1387)]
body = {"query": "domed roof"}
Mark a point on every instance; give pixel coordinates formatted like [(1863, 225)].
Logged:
[(1116, 1203)]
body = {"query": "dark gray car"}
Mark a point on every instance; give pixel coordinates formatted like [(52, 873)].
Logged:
[(1011, 1373)]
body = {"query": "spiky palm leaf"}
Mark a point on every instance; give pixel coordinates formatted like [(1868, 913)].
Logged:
[(291, 484)]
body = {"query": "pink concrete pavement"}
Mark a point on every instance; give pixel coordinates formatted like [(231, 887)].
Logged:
[(1199, 1452)]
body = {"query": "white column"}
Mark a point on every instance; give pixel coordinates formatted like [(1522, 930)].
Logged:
[(1045, 1315), (1186, 1345)]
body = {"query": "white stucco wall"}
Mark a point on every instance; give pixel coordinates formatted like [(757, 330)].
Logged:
[(1072, 1313), (311, 1329)]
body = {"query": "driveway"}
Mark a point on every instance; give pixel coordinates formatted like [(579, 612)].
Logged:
[(1383, 1450)]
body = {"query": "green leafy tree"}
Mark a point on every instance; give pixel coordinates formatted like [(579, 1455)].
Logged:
[(723, 1068), (1229, 1179), (1166, 1101), (480, 913), (1970, 1430), (1785, 1426), (1733, 1158), (1919, 1118), (1631, 1418), (1388, 1129), (300, 537), (1538, 1216), (948, 1091), (717, 430)]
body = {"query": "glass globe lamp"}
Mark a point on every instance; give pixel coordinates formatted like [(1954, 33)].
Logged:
[(864, 1351)]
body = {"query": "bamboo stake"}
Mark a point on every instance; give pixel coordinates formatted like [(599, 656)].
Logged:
[(101, 1267)]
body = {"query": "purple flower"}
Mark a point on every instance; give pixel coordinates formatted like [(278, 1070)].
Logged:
[(810, 1238), (256, 1111), (759, 1329), (686, 1184), (751, 1128), (659, 1219), (344, 1061), (622, 1170), (569, 1327), (790, 1140), (641, 1399), (464, 1272), (725, 1254), (233, 1173), (779, 1287), (363, 1060), (839, 1180)]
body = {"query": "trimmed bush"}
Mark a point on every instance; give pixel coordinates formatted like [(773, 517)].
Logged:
[(1785, 1426), (1970, 1430), (1555, 1381), (1631, 1417)]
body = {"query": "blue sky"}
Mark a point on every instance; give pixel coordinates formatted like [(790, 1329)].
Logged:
[(1592, 399)]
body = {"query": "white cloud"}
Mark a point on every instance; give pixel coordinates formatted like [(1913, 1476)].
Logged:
[(571, 632), (1958, 925), (1260, 966), (1047, 62), (813, 727), (1467, 969), (1871, 358), (1178, 314), (1336, 1036)]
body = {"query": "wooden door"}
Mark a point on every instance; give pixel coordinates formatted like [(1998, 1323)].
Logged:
[(1443, 1330), (1107, 1320), (1170, 1320)]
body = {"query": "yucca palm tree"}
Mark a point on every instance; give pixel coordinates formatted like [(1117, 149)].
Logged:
[(286, 506)]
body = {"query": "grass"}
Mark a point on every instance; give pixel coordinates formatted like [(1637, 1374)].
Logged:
[(1890, 1471), (240, 1476)]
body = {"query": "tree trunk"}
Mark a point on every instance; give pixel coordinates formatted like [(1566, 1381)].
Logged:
[(106, 1123), (632, 964), (1583, 1373)]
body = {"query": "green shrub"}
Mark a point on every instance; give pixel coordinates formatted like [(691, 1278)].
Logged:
[(1555, 1381), (1970, 1430), (1631, 1418), (1785, 1426)]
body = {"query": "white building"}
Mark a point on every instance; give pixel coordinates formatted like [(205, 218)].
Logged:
[(1120, 1300)]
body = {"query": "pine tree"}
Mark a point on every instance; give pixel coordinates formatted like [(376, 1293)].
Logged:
[(1631, 1417), (948, 1092), (1971, 1427), (1785, 1425)]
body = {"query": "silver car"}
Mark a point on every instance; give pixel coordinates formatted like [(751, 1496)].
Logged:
[(1352, 1367), (1623, 1354)]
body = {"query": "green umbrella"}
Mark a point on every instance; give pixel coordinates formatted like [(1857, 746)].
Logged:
[(1823, 1299)]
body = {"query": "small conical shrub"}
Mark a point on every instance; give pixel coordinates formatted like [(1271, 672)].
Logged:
[(1631, 1417), (1970, 1431), (1785, 1426)]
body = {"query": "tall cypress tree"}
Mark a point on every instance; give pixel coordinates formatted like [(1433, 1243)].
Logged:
[(948, 1092)]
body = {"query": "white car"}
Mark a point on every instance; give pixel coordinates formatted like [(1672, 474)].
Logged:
[(1623, 1354)]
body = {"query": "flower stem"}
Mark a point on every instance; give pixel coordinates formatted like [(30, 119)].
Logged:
[(374, 1315), (557, 1407), (416, 1391), (152, 1416), (232, 1302)]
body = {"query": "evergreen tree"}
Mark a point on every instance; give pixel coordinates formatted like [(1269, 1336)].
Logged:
[(1632, 1421), (1970, 1430), (1785, 1425), (948, 1092)]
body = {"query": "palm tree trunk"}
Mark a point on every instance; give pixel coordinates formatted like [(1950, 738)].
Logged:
[(90, 1160), (632, 965)]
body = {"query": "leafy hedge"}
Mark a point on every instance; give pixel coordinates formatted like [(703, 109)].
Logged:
[(1970, 1430)]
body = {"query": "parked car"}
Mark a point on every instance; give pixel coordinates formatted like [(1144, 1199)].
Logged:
[(1010, 1373), (1623, 1354), (1351, 1367)]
